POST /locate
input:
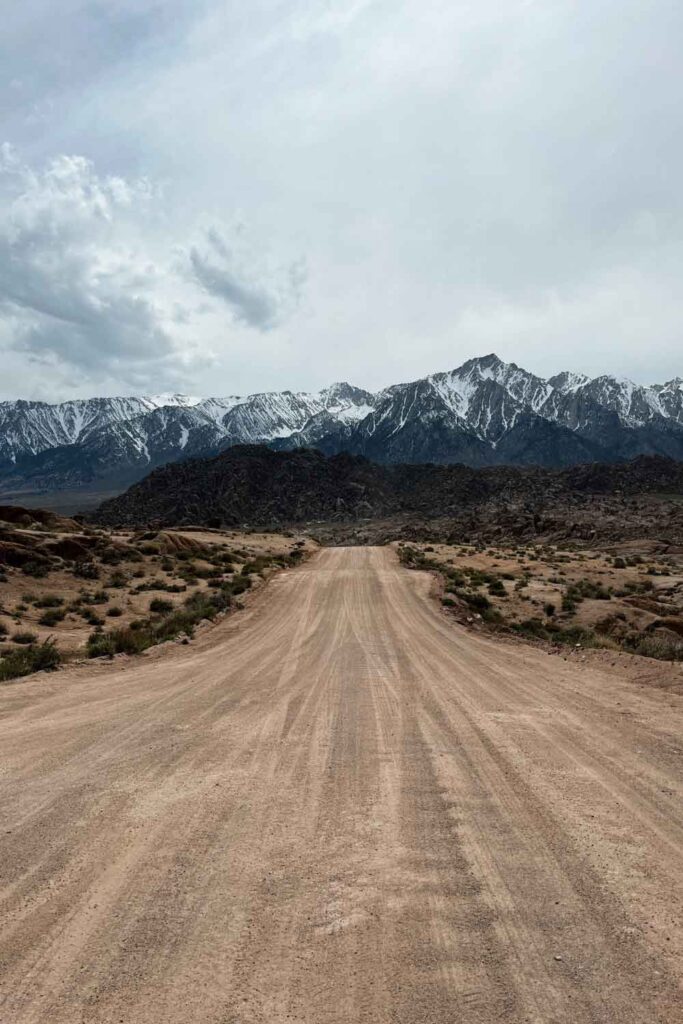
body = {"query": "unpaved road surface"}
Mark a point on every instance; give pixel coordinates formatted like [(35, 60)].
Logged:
[(339, 807)]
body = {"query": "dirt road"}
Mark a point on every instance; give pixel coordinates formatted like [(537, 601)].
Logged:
[(337, 806)]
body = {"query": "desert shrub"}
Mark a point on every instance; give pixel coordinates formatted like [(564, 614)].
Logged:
[(3, 629), (98, 597), (117, 580), (479, 602), (131, 641), (497, 588), (34, 658), (111, 555), (639, 586), (144, 633), (492, 616), (24, 638), (51, 616), (86, 570), (159, 606), (100, 645), (531, 627), (662, 648), (114, 612), (173, 625), (48, 601), (38, 570), (619, 563), (574, 635), (577, 635), (448, 602), (91, 617), (577, 592), (549, 609), (150, 549), (120, 641), (151, 584)]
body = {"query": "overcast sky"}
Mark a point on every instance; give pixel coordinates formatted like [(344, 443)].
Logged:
[(222, 197)]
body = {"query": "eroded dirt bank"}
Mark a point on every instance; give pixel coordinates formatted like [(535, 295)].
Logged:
[(339, 807)]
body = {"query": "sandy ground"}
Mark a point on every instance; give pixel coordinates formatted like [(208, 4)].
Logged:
[(338, 806)]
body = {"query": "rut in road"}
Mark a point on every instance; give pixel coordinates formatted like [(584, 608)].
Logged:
[(337, 806)]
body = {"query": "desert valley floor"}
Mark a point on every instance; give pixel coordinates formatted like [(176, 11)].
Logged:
[(338, 805)]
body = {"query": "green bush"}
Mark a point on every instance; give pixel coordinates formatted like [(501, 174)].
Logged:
[(661, 648), (47, 601), (479, 602), (159, 606), (24, 638), (141, 634), (100, 645), (492, 616), (114, 612), (91, 617), (38, 570), (34, 658), (51, 617)]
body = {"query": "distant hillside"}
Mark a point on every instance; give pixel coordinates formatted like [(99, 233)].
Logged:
[(254, 485)]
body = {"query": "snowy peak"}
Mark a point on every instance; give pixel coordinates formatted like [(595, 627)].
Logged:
[(483, 412), (567, 381)]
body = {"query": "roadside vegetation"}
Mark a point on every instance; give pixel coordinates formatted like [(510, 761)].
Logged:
[(78, 591), (570, 598)]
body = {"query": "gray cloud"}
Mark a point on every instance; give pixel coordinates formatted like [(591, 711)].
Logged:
[(215, 272), (70, 285), (460, 178), (83, 288)]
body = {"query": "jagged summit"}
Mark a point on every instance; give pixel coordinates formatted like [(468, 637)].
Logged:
[(484, 412)]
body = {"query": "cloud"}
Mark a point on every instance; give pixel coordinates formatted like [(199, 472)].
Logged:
[(87, 285), (460, 177), (71, 284), (220, 272)]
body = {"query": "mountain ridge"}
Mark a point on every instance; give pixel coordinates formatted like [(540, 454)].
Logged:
[(485, 412)]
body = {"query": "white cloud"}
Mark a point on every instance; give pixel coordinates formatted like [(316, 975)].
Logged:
[(89, 287), (498, 174)]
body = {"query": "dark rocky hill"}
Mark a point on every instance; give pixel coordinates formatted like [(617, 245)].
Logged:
[(254, 485)]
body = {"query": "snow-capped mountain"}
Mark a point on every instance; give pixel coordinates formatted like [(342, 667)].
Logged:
[(486, 412)]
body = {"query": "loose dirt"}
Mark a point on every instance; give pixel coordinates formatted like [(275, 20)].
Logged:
[(339, 806)]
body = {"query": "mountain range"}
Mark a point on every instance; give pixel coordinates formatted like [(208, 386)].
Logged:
[(484, 413)]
